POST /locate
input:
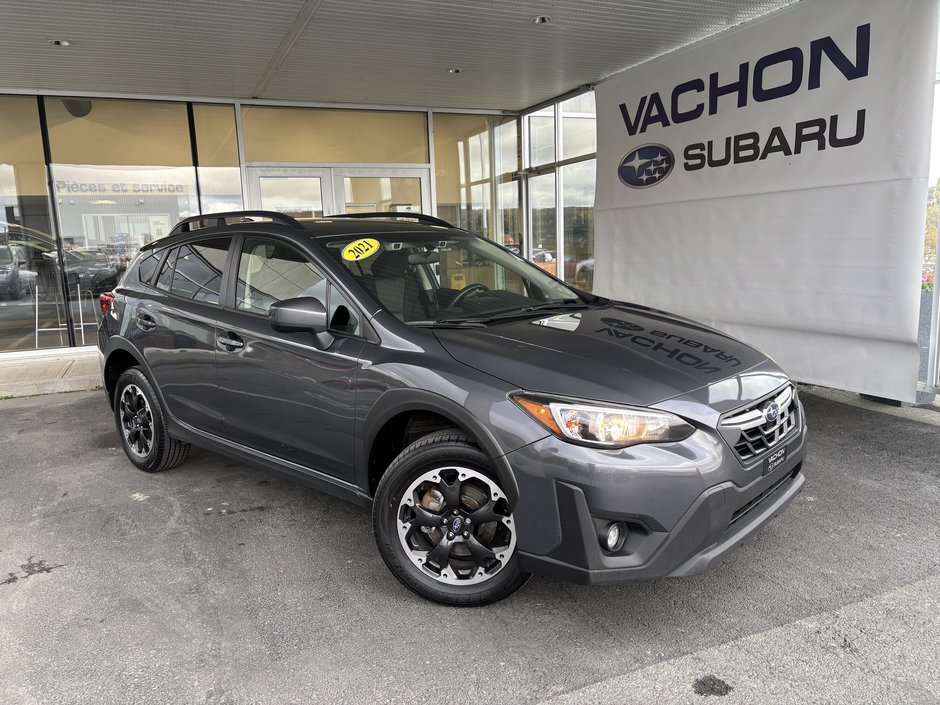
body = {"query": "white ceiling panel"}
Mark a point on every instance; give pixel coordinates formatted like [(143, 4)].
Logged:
[(390, 52)]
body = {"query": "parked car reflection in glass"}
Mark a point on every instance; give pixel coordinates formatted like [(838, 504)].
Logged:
[(16, 280), (93, 272)]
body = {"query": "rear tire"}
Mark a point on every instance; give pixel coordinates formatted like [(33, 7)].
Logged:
[(141, 424), (443, 524)]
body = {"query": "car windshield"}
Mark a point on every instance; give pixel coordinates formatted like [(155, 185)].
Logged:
[(6, 257), (426, 279)]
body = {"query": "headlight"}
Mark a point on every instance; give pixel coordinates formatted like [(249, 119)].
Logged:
[(604, 426)]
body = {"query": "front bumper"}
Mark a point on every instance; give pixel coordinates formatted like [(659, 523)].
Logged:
[(681, 519)]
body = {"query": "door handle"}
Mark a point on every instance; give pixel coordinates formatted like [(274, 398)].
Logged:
[(230, 342), (145, 322)]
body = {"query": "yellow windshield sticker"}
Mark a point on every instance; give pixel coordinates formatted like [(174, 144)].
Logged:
[(360, 249)]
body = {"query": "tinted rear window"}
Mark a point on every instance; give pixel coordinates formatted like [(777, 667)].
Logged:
[(198, 274), (148, 265), (166, 274)]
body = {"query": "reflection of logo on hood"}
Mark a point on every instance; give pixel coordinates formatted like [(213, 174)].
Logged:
[(618, 323), (646, 166)]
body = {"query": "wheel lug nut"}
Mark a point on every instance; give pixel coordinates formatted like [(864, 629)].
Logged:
[(444, 520), (466, 534), (450, 534), (467, 521), (455, 512)]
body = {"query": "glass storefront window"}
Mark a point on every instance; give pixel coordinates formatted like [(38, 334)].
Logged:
[(928, 274), (568, 156), (508, 147), (313, 135), (510, 214), (31, 311), (578, 132), (220, 183), (462, 169), (468, 150), (542, 220), (578, 213), (541, 136), (509, 218), (124, 172), (123, 176)]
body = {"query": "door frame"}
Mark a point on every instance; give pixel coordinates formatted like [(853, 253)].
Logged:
[(333, 192)]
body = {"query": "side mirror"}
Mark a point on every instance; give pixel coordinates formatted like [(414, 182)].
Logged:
[(303, 313)]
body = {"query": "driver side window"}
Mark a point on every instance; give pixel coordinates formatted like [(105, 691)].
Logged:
[(270, 271)]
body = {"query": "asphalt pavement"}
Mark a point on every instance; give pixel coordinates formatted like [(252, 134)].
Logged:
[(218, 583)]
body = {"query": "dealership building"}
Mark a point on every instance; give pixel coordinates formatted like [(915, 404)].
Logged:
[(761, 165)]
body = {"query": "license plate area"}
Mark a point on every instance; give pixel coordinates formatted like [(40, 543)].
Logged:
[(775, 460)]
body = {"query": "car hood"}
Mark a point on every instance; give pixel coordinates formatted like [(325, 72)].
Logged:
[(618, 352)]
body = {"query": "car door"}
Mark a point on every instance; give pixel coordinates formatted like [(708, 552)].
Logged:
[(174, 325), (282, 393)]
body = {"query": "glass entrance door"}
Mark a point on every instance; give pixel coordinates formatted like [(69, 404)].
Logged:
[(362, 190), (314, 192), (298, 192)]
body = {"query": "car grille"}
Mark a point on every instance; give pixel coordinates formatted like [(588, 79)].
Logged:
[(754, 431)]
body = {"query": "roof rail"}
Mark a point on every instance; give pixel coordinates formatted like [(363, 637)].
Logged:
[(185, 225), (420, 217)]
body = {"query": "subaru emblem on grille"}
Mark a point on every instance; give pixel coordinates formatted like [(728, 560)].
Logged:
[(771, 411)]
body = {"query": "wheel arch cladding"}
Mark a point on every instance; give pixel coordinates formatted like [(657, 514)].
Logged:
[(399, 419), (118, 361)]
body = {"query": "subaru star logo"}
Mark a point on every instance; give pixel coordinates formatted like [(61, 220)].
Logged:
[(457, 525), (772, 411), (646, 166)]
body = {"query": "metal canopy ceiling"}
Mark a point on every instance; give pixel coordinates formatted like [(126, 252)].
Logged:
[(380, 52)]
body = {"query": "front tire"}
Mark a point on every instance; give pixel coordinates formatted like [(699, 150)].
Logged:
[(141, 423), (444, 525)]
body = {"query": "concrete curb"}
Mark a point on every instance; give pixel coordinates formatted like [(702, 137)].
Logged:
[(31, 373)]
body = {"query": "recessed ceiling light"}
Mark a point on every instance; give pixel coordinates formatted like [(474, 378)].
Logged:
[(60, 42), (541, 19), (455, 71)]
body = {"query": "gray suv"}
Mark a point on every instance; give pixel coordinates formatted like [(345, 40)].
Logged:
[(499, 422)]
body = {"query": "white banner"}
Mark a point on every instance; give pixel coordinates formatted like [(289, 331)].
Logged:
[(772, 182)]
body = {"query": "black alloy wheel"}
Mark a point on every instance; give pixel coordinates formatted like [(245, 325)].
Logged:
[(136, 421), (444, 525), (141, 423)]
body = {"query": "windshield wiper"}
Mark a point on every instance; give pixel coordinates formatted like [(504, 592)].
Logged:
[(565, 305), (448, 323)]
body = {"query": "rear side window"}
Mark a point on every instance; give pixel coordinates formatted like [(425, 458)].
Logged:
[(148, 265), (166, 274), (198, 271)]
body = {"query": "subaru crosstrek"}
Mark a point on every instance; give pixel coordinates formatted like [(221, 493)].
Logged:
[(498, 421)]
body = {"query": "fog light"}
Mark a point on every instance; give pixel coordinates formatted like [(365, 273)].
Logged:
[(613, 538)]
